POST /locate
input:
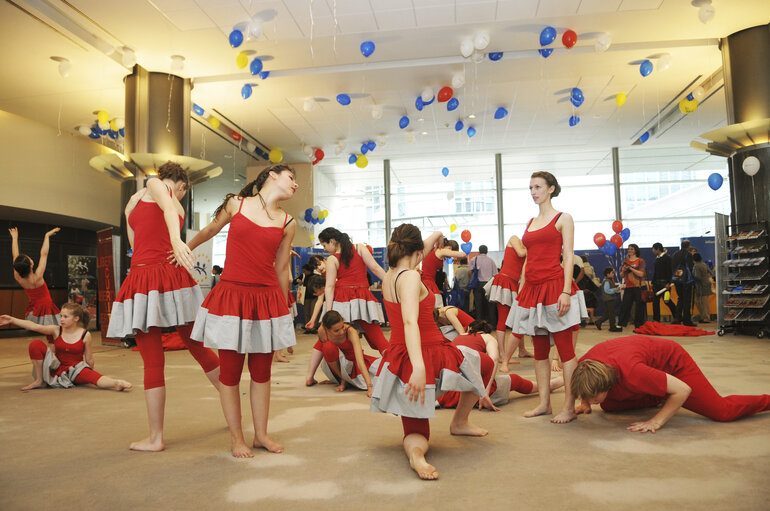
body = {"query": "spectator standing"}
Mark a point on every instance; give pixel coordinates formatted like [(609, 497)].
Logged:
[(462, 278), (661, 279), (684, 281), (487, 269), (702, 288)]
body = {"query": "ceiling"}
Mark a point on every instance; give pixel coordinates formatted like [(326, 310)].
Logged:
[(311, 48)]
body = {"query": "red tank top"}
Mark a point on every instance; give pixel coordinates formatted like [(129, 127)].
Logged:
[(512, 263), (352, 274), (430, 266), (543, 252), (347, 349), (38, 293), (152, 244), (251, 250), (429, 331), (69, 354), (473, 341)]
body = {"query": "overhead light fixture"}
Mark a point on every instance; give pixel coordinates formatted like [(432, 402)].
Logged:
[(472, 116)]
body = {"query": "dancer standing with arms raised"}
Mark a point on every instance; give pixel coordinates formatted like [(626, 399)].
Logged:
[(347, 288), (437, 248), (549, 302), (247, 312), (420, 364), (157, 293)]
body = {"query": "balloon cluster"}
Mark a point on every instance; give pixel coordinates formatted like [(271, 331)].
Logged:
[(548, 36), (315, 215), (474, 48), (317, 154), (576, 98), (689, 103), (246, 31), (466, 237), (104, 126), (360, 160), (615, 243), (251, 147)]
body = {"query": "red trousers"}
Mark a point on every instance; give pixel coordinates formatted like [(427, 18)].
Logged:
[(374, 336), (563, 342), (232, 366), (502, 315)]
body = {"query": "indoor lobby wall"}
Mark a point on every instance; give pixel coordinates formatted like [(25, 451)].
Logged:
[(47, 172)]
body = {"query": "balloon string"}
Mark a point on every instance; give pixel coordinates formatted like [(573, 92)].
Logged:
[(170, 91), (203, 145), (754, 195), (312, 54), (336, 26), (58, 124)]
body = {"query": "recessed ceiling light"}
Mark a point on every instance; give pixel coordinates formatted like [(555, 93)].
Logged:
[(424, 132), (472, 116), (420, 119)]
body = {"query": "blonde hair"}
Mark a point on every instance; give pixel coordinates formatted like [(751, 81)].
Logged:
[(77, 310), (591, 378)]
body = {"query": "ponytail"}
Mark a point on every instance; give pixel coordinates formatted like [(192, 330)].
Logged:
[(253, 188), (78, 311), (405, 241), (342, 239)]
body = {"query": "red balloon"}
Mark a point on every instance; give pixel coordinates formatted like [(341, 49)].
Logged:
[(445, 94), (315, 162), (370, 249), (319, 154), (617, 226), (617, 240), (569, 38), (236, 136), (599, 239), (466, 235)]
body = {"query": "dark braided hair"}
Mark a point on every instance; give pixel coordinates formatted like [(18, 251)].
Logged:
[(480, 326), (253, 188), (23, 265), (346, 247)]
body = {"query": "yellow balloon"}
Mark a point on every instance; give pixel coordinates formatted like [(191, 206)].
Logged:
[(102, 116), (620, 98), (453, 228), (214, 122), (687, 106), (242, 60), (325, 213), (312, 237), (362, 161), (275, 155), (113, 125)]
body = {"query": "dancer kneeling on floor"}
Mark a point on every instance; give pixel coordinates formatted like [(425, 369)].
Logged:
[(339, 351), (72, 360), (420, 363), (247, 312), (637, 371)]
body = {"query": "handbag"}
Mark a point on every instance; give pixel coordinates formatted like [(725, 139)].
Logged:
[(647, 294), (473, 282), (301, 290)]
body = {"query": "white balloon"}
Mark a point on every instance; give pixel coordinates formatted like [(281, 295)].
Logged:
[(307, 150), (314, 213), (603, 42), (120, 123), (458, 80), (706, 13), (481, 41), (450, 195), (309, 105), (427, 94), (339, 148), (129, 57), (382, 140), (84, 130), (477, 57), (410, 136), (254, 29), (466, 48), (699, 93), (664, 62), (65, 67), (751, 165), (104, 126), (250, 146), (377, 112)]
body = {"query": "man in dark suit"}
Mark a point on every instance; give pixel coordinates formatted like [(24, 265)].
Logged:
[(684, 282), (661, 279)]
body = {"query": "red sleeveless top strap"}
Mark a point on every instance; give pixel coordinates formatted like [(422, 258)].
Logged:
[(241, 205)]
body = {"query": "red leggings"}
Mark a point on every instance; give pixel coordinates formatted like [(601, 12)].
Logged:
[(330, 351), (232, 366), (563, 342), (418, 426), (37, 350), (521, 385), (502, 315), (374, 336), (151, 348)]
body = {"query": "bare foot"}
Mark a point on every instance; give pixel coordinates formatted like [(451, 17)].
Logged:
[(504, 369), (555, 366), (583, 407), (241, 450), (540, 410), (148, 445), (280, 357), (310, 382), (525, 354), (266, 443), (290, 349), (467, 429), (424, 469), (564, 417), (121, 385), (37, 384), (514, 361)]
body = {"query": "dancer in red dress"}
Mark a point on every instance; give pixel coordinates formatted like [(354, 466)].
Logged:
[(64, 367), (505, 288), (549, 302), (40, 309), (247, 312), (347, 288), (452, 321), (339, 350), (157, 293), (642, 372), (420, 363), (437, 249)]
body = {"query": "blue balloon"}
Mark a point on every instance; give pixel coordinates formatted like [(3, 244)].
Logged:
[(547, 36), (246, 91), (690, 97), (459, 126), (645, 137), (452, 104), (574, 120), (471, 131), (364, 148), (309, 211), (321, 220), (94, 134), (576, 94), (545, 52), (256, 66), (236, 38), (645, 68), (495, 56), (715, 181), (625, 234), (418, 104), (198, 110), (466, 247), (403, 122), (113, 134), (501, 113), (576, 102), (367, 48), (308, 216), (122, 132), (445, 172), (610, 248), (426, 103), (371, 145), (352, 159), (264, 74), (343, 99)]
